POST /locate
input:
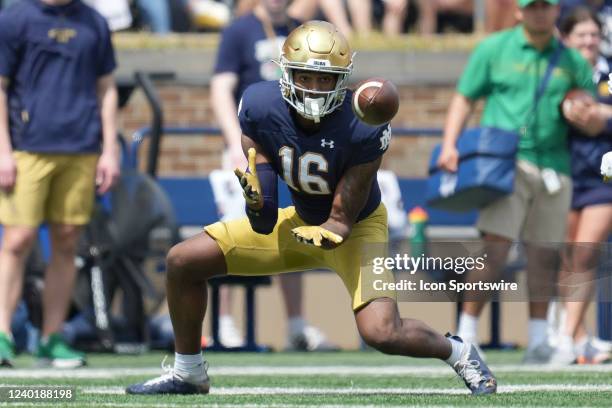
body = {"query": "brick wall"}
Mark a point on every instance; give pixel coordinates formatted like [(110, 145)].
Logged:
[(421, 106)]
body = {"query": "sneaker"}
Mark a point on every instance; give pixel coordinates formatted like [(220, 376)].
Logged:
[(310, 339), (472, 369), (538, 355), (229, 335), (170, 383), (563, 354), (589, 353), (56, 353), (601, 344), (7, 350)]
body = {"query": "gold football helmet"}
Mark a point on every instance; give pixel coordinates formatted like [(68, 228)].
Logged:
[(315, 46)]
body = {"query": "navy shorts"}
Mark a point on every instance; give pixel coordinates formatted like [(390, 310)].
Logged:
[(591, 196)]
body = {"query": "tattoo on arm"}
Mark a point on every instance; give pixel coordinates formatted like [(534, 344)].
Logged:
[(352, 192)]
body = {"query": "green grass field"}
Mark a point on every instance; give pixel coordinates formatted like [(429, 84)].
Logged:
[(346, 379)]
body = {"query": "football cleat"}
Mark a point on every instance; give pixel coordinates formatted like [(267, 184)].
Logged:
[(170, 383), (473, 370)]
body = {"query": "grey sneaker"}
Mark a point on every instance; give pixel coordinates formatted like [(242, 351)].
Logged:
[(540, 354), (473, 370), (170, 383)]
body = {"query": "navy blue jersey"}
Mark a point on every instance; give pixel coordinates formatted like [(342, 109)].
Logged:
[(53, 56), (311, 164), (246, 51), (586, 151)]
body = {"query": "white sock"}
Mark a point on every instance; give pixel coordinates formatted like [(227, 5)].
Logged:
[(296, 326), (537, 332), (226, 321), (190, 367), (456, 352), (468, 327)]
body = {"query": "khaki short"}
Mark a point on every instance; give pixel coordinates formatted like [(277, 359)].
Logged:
[(56, 188), (530, 213)]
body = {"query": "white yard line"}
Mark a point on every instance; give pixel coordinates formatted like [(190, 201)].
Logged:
[(507, 389), (415, 371)]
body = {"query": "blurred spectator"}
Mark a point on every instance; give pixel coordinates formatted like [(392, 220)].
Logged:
[(209, 14), (116, 12), (500, 14), (156, 15), (603, 8), (430, 9), (506, 69), (52, 152), (590, 218), (304, 10), (395, 13), (245, 56)]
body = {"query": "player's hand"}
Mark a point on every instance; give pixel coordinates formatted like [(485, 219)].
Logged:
[(610, 84), (8, 172), (107, 171), (606, 166), (449, 159), (317, 236), (250, 183)]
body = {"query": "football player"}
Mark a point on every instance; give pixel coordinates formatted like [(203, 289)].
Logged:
[(305, 132)]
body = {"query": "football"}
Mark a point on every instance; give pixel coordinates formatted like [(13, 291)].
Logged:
[(577, 95), (375, 101)]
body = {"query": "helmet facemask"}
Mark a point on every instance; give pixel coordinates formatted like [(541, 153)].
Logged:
[(318, 47), (314, 104)]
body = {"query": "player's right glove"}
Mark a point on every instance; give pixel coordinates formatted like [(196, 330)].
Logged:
[(314, 235), (249, 181), (606, 166)]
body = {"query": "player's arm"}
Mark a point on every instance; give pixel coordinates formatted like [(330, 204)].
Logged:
[(8, 169), (459, 111), (260, 188), (350, 197), (108, 165), (222, 87)]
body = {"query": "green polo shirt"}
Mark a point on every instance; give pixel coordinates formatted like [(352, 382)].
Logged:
[(506, 70)]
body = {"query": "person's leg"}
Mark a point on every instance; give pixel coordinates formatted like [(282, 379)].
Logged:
[(381, 327), (17, 243), (428, 17), (229, 335), (594, 227), (60, 276), (496, 248), (361, 16), (157, 15), (189, 266), (396, 12)]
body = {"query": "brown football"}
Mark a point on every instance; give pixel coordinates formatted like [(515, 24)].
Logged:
[(578, 94), (375, 101)]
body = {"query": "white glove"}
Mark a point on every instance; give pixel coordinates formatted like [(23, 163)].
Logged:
[(606, 166), (610, 84)]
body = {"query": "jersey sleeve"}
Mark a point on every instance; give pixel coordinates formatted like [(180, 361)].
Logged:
[(475, 79), (250, 113), (228, 54), (371, 145), (9, 44), (106, 57)]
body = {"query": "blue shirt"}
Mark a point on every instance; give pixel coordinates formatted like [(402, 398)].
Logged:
[(246, 51), (54, 56), (586, 151), (311, 164)]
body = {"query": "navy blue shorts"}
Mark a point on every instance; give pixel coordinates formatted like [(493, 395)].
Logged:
[(592, 196)]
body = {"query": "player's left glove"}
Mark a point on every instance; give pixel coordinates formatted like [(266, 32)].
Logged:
[(249, 181), (606, 166), (314, 235)]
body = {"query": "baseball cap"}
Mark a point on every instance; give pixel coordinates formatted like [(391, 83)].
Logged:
[(525, 3)]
